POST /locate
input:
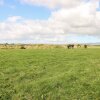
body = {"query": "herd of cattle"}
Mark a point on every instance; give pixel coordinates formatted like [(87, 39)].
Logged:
[(71, 46)]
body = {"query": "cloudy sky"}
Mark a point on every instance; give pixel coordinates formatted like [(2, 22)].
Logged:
[(49, 21)]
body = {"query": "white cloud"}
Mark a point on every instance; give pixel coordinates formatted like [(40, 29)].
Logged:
[(58, 3), (14, 18), (79, 20), (54, 3)]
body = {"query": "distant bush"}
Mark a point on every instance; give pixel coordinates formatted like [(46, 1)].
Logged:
[(22, 47), (57, 46)]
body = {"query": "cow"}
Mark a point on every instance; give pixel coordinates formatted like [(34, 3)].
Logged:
[(70, 46), (85, 46)]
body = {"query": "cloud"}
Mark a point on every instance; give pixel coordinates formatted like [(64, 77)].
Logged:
[(27, 29), (58, 3), (14, 18), (54, 3), (80, 20)]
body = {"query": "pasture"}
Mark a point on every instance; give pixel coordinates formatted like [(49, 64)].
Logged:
[(50, 74)]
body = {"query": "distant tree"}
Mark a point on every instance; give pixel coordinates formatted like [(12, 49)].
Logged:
[(78, 45), (6, 45)]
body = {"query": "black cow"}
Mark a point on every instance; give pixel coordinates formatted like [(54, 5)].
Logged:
[(70, 46), (85, 46)]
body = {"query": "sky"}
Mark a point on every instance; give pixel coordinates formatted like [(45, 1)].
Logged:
[(49, 21)]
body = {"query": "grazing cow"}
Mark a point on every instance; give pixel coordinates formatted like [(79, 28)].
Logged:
[(70, 46)]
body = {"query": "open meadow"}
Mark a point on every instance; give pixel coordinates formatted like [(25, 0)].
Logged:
[(50, 74)]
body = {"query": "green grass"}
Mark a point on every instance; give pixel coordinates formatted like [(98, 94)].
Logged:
[(50, 74)]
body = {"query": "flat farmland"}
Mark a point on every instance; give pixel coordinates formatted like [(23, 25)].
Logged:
[(50, 74)]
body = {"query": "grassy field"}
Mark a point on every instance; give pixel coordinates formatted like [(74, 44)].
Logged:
[(50, 74)]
